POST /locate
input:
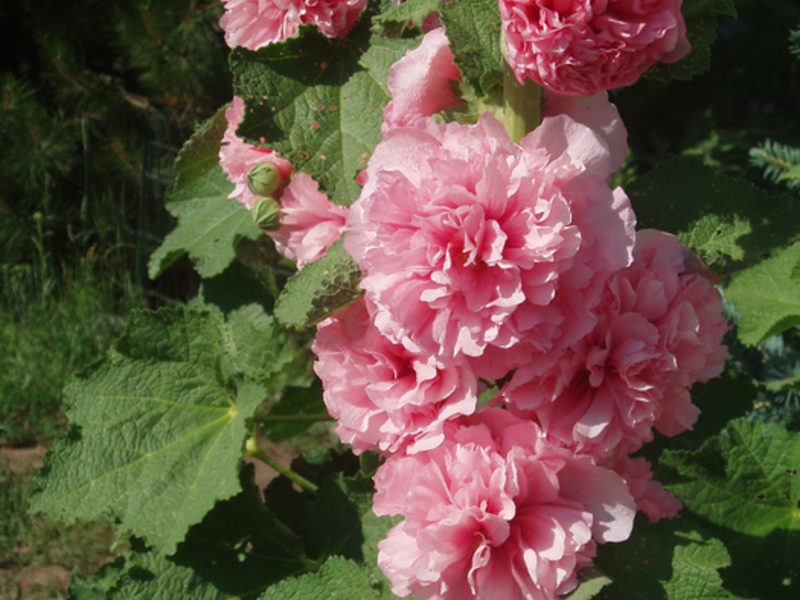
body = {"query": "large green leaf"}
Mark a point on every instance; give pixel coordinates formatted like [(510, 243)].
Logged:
[(209, 223), (319, 289), (668, 560), (767, 296), (730, 223), (160, 424), (473, 28), (745, 483), (319, 102)]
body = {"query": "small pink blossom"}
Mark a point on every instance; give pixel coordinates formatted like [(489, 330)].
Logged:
[(659, 330), (468, 241), (310, 223), (253, 24), (495, 511), (581, 47), (382, 396), (650, 496), (237, 157), (420, 82)]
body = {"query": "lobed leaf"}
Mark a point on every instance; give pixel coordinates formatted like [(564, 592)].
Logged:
[(767, 296), (398, 16), (745, 483), (160, 424), (319, 289), (209, 223), (670, 560), (729, 223), (319, 102)]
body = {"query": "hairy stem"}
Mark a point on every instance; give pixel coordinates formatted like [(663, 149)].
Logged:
[(521, 103), (254, 451)]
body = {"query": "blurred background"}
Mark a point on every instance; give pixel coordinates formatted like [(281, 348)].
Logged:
[(97, 98)]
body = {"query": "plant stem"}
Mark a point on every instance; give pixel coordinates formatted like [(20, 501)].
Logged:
[(285, 471), (520, 102)]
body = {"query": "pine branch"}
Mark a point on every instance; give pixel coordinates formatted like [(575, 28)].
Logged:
[(781, 163)]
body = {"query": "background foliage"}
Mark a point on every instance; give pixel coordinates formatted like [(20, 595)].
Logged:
[(97, 101)]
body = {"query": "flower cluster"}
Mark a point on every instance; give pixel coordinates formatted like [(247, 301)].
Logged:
[(491, 261), (507, 271)]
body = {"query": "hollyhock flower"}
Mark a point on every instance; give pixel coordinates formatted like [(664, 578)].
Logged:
[(650, 496), (382, 396), (659, 330), (310, 223), (581, 47), (467, 240), (253, 24), (237, 157), (420, 82), (496, 511)]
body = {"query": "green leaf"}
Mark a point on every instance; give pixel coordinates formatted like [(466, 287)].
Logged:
[(240, 547), (767, 297), (235, 287), (745, 483), (319, 102), (397, 16), (728, 222), (473, 28), (666, 560), (591, 581), (209, 223), (319, 289), (337, 579), (286, 417), (701, 31), (257, 347), (98, 586), (159, 424), (150, 576)]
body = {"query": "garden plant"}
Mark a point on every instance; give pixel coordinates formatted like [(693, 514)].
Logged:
[(419, 223)]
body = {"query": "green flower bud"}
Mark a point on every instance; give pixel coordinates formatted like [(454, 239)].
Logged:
[(264, 179), (267, 214)]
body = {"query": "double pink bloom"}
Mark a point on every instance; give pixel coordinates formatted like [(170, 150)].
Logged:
[(581, 47)]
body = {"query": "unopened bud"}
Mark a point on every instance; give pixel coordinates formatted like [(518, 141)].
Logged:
[(267, 214), (264, 179)]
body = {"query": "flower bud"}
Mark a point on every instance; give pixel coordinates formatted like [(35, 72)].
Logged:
[(267, 213), (264, 179)]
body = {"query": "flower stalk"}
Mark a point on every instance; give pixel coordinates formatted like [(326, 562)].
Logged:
[(252, 449), (521, 103)]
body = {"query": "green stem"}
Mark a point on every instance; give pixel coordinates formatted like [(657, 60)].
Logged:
[(521, 103), (304, 483)]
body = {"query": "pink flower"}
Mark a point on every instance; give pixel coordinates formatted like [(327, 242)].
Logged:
[(384, 397), (468, 241), (236, 157), (580, 47), (253, 24), (495, 511), (420, 82), (659, 330), (650, 496), (310, 223)]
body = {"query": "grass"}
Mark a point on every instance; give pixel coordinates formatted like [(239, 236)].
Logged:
[(50, 327), (48, 332)]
